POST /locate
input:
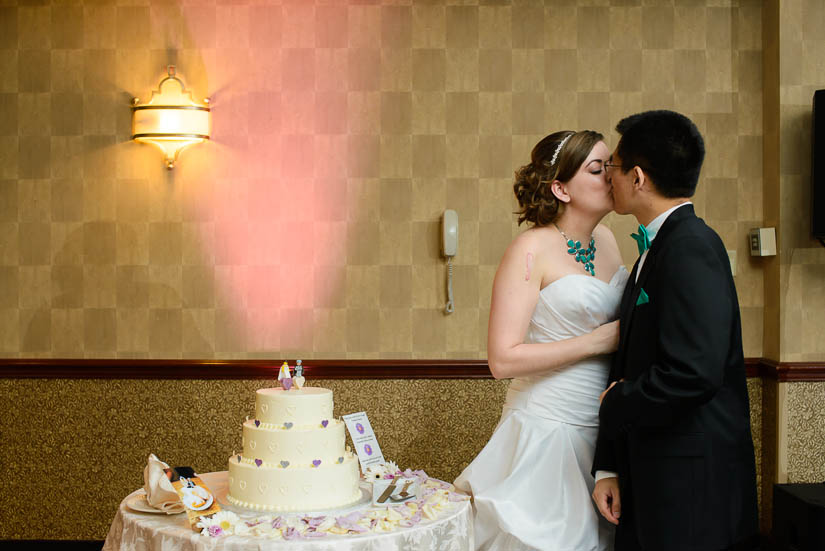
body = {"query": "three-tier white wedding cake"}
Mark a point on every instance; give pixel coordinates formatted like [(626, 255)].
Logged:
[(293, 455)]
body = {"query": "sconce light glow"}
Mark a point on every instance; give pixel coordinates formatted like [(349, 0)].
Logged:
[(171, 120)]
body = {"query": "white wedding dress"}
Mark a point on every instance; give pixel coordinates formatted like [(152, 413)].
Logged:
[(531, 484)]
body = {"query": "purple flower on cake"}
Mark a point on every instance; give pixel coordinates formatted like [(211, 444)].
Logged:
[(316, 462), (277, 522), (291, 534), (215, 531), (324, 423), (257, 423), (258, 462)]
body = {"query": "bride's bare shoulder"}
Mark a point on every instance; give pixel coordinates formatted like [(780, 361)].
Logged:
[(535, 239)]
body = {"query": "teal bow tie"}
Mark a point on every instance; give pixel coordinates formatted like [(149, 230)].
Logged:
[(642, 240)]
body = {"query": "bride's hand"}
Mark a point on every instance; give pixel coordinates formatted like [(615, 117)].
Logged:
[(605, 338)]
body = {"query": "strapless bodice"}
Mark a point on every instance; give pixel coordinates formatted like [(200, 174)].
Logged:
[(573, 305)]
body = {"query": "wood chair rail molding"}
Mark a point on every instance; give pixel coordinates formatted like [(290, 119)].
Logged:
[(78, 368)]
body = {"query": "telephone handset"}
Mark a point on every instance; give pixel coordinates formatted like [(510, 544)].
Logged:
[(449, 247)]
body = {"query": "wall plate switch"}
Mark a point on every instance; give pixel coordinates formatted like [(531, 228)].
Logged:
[(763, 241)]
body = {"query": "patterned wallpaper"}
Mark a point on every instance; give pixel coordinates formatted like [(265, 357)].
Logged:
[(802, 259), (308, 226)]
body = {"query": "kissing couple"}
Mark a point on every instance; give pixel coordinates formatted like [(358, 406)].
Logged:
[(626, 424)]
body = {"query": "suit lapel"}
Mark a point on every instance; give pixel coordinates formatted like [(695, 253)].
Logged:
[(635, 285)]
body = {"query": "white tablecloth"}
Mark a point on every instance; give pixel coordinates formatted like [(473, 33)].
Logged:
[(137, 531)]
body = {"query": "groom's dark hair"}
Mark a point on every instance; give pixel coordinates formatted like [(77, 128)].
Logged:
[(667, 146)]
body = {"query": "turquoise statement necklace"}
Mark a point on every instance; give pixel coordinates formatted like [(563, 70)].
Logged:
[(585, 256)]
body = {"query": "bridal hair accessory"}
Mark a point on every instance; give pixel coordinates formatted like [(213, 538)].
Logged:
[(558, 150), (585, 256)]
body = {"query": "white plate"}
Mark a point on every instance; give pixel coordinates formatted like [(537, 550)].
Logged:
[(139, 503)]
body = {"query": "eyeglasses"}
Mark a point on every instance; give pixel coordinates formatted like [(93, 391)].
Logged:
[(608, 166)]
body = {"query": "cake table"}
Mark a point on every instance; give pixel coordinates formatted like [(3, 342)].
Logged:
[(450, 528)]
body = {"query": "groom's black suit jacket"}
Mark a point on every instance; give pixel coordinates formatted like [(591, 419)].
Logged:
[(677, 430)]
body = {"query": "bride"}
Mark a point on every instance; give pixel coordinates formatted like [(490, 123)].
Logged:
[(555, 298)]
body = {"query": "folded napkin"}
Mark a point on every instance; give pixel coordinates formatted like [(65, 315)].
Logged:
[(159, 490)]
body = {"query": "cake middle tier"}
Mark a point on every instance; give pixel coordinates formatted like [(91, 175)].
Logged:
[(297, 445)]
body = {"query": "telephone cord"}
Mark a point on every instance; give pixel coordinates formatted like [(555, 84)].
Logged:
[(449, 308)]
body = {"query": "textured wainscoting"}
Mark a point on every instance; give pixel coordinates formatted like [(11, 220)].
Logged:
[(92, 437)]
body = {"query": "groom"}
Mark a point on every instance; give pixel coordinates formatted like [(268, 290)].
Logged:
[(674, 461)]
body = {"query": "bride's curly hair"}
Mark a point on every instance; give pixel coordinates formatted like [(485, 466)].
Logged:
[(538, 205)]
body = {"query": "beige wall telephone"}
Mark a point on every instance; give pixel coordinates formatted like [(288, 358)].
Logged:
[(449, 247)]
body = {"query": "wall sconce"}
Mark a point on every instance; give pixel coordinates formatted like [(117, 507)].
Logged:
[(171, 120)]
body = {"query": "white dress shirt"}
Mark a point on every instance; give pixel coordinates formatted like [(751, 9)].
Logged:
[(652, 229)]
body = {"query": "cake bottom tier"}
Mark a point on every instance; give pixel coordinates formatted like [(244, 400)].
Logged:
[(268, 488)]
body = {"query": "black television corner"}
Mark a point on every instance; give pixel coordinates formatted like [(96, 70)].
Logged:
[(799, 517)]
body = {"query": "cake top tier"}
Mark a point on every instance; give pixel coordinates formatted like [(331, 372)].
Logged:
[(305, 406)]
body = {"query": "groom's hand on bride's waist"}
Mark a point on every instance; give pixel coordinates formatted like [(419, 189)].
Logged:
[(603, 394)]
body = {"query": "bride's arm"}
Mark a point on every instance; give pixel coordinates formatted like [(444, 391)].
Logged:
[(515, 294)]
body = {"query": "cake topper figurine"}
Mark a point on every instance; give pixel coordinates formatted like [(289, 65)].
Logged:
[(298, 379), (285, 376)]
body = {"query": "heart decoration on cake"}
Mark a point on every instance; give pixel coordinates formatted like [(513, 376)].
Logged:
[(284, 490), (340, 460), (284, 464), (290, 411), (324, 423), (273, 447), (264, 407), (252, 444), (316, 462), (239, 458), (257, 423), (307, 489), (242, 484), (287, 426), (258, 462), (262, 488), (299, 447)]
